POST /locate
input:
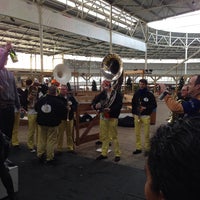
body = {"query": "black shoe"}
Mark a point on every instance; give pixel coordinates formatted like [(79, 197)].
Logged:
[(98, 143), (117, 159), (137, 151), (51, 162), (41, 159), (101, 157)]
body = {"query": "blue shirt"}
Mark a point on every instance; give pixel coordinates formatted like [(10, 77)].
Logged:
[(191, 107)]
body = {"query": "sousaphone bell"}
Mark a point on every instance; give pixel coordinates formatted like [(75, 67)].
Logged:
[(62, 73), (112, 67)]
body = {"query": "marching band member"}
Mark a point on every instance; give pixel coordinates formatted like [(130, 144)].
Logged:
[(143, 104), (32, 116), (109, 104), (50, 111), (67, 124)]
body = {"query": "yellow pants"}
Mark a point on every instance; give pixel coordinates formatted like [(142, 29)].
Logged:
[(109, 133), (67, 127), (100, 129), (15, 132), (145, 120), (47, 137), (32, 130)]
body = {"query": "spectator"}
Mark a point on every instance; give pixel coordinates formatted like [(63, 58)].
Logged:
[(192, 106), (9, 98), (173, 164), (184, 96)]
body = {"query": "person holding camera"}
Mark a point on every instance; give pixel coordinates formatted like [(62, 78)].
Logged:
[(188, 108)]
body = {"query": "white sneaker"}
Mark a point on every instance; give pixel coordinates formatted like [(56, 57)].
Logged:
[(32, 150)]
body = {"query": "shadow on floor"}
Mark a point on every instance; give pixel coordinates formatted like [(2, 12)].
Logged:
[(76, 178)]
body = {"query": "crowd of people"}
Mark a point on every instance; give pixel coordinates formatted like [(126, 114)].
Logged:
[(49, 109), (172, 166)]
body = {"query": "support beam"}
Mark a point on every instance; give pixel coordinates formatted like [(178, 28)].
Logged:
[(28, 11)]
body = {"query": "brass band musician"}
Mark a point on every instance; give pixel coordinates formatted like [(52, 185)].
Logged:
[(67, 124), (109, 104), (143, 104)]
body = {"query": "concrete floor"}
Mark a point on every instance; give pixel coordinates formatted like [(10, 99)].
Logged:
[(126, 140)]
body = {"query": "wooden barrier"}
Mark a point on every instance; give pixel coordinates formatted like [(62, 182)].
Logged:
[(86, 96), (83, 130)]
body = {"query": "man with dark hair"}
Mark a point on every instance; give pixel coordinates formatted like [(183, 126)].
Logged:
[(190, 107), (173, 164), (143, 104), (183, 96)]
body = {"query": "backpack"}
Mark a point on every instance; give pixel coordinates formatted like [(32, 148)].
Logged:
[(126, 121)]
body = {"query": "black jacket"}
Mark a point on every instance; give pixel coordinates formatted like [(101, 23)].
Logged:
[(50, 111), (115, 107), (143, 98), (100, 98), (73, 106)]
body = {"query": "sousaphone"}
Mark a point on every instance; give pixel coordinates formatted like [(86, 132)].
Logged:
[(112, 69), (62, 73)]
